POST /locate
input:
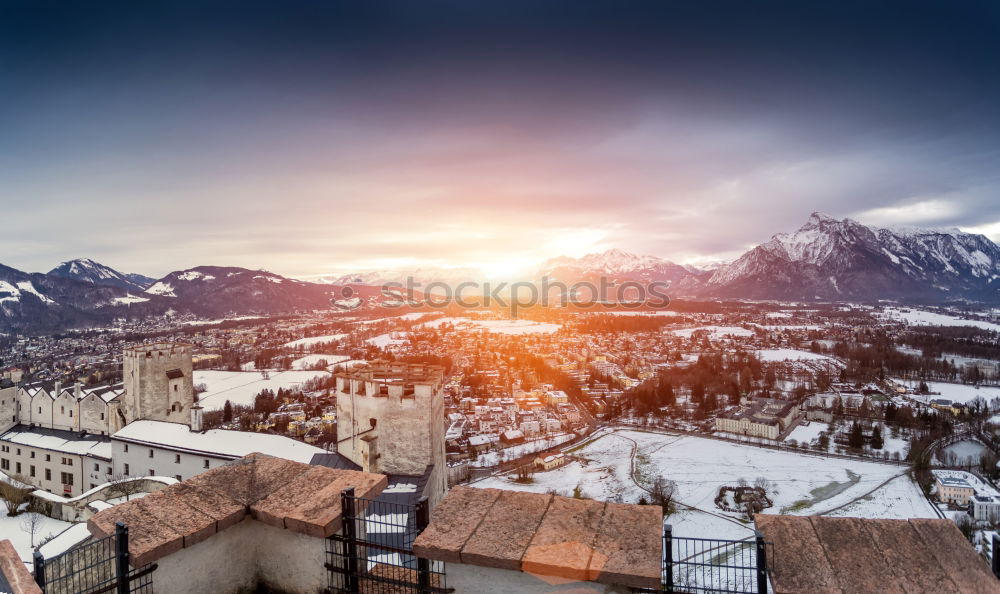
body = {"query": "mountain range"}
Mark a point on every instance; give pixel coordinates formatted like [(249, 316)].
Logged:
[(826, 259)]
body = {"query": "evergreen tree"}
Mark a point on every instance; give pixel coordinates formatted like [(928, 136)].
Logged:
[(227, 412), (856, 439), (876, 439)]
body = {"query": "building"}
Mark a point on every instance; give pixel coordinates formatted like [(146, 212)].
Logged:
[(954, 490), (403, 404), (54, 460), (176, 450), (766, 417), (159, 385), (986, 508)]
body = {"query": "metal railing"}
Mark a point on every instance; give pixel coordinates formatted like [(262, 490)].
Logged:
[(96, 567), (374, 551), (716, 565)]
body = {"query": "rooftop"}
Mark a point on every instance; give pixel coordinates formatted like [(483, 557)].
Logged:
[(281, 493), (826, 555), (58, 440), (576, 539), (215, 442)]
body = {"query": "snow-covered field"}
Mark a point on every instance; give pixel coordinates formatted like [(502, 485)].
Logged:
[(311, 360), (917, 317), (791, 355), (802, 484), (314, 340), (493, 458), (714, 331), (808, 433), (241, 387), (384, 340), (17, 531), (497, 326), (959, 392)]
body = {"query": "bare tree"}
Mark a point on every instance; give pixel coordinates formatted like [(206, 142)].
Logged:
[(31, 523), (125, 486), (14, 494), (662, 493)]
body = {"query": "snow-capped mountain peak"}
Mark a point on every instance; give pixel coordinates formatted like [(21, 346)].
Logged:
[(87, 270), (833, 258)]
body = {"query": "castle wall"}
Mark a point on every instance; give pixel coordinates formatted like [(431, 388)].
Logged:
[(149, 391)]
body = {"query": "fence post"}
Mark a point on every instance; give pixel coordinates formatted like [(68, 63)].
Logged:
[(423, 565), (761, 563), (995, 555), (668, 557), (350, 538), (121, 557), (40, 569)]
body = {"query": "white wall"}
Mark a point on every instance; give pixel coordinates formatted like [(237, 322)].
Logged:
[(232, 560), (164, 461), (487, 580)]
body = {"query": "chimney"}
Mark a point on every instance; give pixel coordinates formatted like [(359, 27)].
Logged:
[(57, 389), (77, 390), (369, 453), (196, 418)]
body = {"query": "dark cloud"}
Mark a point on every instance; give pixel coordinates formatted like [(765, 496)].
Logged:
[(309, 136)]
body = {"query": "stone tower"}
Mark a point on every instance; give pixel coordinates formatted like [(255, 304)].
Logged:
[(159, 384), (390, 420)]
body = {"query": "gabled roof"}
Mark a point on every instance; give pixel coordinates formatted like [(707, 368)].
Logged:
[(825, 555)]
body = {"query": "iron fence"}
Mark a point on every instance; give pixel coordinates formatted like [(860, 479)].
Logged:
[(96, 567), (710, 565), (374, 551)]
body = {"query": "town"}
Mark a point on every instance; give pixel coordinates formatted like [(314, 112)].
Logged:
[(899, 414)]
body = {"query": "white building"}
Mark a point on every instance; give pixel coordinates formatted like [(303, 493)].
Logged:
[(157, 448)]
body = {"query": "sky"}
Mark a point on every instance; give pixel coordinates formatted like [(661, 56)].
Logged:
[(314, 137)]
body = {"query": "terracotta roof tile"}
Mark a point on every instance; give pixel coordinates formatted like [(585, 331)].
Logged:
[(506, 530), (629, 546), (290, 495), (13, 571), (799, 560), (453, 521), (913, 556), (564, 542), (547, 535)]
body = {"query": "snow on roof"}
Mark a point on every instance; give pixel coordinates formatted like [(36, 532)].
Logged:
[(954, 482), (218, 442), (68, 442), (65, 540)]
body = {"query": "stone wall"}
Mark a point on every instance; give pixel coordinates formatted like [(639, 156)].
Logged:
[(242, 557), (149, 392)]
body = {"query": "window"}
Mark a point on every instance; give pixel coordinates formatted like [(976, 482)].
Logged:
[(4, 448), (177, 458), (206, 463), (152, 472), (150, 452), (178, 477), (102, 416), (62, 410), (4, 464), (126, 447), (39, 410), (17, 466), (48, 457), (97, 467), (71, 413), (67, 478), (31, 471), (18, 451), (48, 474), (67, 461), (125, 470), (32, 456)]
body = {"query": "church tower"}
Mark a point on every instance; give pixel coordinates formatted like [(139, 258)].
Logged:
[(159, 384)]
